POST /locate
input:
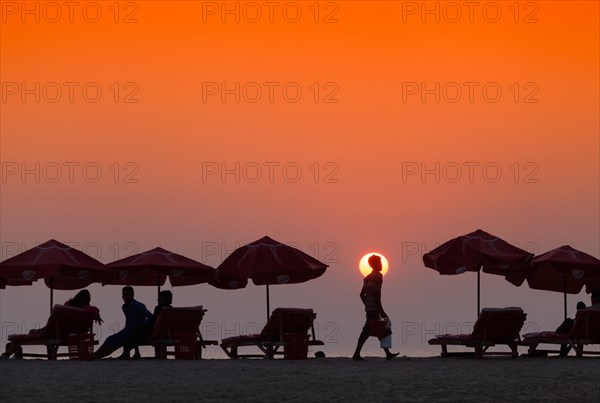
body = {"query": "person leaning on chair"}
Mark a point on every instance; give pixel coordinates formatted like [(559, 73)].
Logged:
[(566, 326), (81, 300), (165, 300), (370, 294)]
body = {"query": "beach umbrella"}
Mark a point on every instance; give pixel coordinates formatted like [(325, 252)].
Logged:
[(267, 262), (477, 251), (62, 268), (151, 268), (564, 269)]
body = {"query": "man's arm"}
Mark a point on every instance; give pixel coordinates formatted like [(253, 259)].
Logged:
[(381, 311), (363, 293), (146, 314)]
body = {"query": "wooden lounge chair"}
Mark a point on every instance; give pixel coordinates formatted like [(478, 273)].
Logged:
[(63, 322), (585, 331), (494, 326), (180, 328), (287, 328)]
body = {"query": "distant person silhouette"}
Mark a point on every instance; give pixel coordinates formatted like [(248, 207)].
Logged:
[(370, 294), (566, 326)]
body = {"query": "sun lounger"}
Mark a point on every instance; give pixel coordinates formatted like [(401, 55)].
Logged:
[(585, 331), (494, 326), (287, 328), (180, 328), (63, 322)]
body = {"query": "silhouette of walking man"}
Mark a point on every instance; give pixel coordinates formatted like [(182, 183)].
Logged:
[(370, 294)]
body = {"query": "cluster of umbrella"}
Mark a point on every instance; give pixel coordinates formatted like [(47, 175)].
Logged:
[(62, 267), (563, 269), (268, 262)]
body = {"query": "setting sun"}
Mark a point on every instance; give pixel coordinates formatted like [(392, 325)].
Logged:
[(364, 267)]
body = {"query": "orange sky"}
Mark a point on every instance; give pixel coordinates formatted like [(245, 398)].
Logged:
[(354, 193)]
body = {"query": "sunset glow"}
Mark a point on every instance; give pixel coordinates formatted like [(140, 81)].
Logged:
[(364, 267)]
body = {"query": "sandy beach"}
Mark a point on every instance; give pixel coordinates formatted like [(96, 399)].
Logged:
[(320, 380)]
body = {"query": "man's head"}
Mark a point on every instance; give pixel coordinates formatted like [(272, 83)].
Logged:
[(375, 262), (596, 297), (127, 294), (165, 298)]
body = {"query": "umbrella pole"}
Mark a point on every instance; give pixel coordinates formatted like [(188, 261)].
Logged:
[(158, 283), (478, 290), (565, 295), (51, 293), (268, 302)]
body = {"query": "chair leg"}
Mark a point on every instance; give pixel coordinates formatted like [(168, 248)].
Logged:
[(51, 351), (514, 349), (532, 348), (18, 351), (160, 351), (478, 352), (198, 355), (578, 350), (228, 351)]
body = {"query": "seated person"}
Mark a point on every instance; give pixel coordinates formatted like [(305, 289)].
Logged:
[(165, 300), (136, 319), (81, 300), (567, 325)]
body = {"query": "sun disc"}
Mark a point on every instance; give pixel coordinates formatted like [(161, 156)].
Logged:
[(364, 267)]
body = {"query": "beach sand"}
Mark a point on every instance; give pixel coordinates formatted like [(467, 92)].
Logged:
[(320, 380)]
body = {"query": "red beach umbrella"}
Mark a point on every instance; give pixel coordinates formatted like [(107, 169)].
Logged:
[(62, 267), (477, 251), (151, 268), (564, 269), (267, 262)]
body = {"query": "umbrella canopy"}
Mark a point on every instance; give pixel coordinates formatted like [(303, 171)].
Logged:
[(4, 282), (474, 251), (564, 269), (563, 266), (477, 251), (62, 267), (152, 268), (267, 262)]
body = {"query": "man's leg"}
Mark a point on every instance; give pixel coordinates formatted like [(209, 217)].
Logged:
[(126, 354), (364, 335), (389, 355), (111, 344), (104, 350)]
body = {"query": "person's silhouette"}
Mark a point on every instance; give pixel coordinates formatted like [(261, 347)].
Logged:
[(370, 294), (136, 317)]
